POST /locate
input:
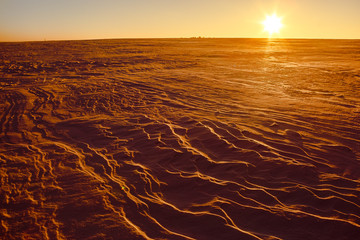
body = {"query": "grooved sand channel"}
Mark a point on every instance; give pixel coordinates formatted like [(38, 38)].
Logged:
[(180, 139)]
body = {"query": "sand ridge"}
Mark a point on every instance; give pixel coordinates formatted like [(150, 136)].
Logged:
[(180, 139)]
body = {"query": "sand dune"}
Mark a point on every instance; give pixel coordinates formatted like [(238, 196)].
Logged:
[(180, 139)]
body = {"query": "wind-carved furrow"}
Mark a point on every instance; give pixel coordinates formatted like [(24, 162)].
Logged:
[(321, 205), (108, 170), (139, 193), (256, 195), (43, 103), (12, 117), (39, 160), (279, 150), (6, 108), (26, 204), (308, 213), (158, 206), (304, 212)]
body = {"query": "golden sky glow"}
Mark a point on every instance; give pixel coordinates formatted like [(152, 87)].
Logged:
[(272, 24), (22, 20)]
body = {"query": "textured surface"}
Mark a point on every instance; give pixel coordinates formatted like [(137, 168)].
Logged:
[(180, 139)]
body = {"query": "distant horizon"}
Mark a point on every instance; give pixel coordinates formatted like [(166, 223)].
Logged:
[(164, 38)]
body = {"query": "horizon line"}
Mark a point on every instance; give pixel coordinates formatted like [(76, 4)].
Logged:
[(195, 37)]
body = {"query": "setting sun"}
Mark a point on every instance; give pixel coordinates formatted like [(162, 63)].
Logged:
[(272, 24)]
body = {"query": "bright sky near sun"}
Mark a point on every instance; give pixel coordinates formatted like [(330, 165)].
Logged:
[(22, 20)]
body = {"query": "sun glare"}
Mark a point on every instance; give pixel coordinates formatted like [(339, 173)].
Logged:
[(272, 24)]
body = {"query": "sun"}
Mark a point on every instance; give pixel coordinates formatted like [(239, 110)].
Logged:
[(272, 24)]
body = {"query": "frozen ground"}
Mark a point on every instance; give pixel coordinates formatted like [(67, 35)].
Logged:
[(180, 139)]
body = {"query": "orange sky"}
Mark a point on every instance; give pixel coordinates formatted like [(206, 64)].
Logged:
[(22, 20)]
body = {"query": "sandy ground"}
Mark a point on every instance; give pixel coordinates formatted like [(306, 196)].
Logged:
[(180, 139)]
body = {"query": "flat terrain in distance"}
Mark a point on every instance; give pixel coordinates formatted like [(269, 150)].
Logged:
[(180, 139)]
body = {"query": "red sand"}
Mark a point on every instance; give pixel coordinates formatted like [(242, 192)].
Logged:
[(180, 139)]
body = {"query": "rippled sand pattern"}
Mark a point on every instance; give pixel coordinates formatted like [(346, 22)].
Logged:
[(180, 139)]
